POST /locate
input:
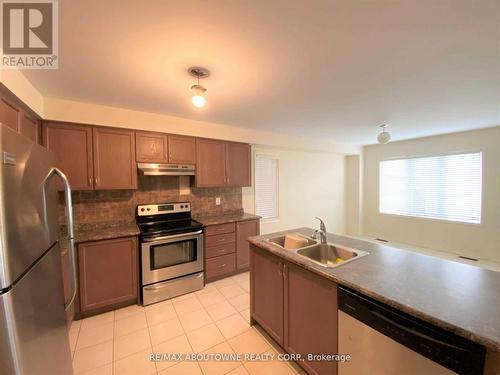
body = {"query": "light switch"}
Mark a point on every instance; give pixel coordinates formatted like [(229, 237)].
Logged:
[(217, 201)]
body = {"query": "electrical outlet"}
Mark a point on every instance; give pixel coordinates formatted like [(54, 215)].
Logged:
[(217, 201)]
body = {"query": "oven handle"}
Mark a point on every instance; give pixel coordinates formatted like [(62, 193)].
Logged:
[(173, 236), (169, 282)]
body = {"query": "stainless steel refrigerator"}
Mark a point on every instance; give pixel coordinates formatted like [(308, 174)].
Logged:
[(33, 326)]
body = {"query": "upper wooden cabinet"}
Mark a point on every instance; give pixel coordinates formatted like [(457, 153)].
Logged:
[(151, 147), (221, 163), (210, 163), (29, 127), (238, 163), (181, 150), (18, 120), (9, 114), (72, 145), (114, 159)]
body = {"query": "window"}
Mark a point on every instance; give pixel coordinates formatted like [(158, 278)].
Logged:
[(444, 187), (266, 186)]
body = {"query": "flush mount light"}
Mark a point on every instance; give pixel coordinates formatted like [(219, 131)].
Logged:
[(198, 98), (384, 137)]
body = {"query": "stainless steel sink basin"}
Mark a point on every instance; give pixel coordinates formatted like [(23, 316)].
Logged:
[(330, 255), (280, 240)]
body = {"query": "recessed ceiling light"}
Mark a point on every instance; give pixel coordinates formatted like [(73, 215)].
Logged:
[(198, 98)]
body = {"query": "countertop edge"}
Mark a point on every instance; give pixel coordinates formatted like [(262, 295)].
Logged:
[(487, 342), (225, 218)]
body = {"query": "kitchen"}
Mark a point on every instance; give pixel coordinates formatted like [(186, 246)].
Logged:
[(160, 214)]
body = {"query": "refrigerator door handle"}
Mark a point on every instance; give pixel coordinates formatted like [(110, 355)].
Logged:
[(69, 225)]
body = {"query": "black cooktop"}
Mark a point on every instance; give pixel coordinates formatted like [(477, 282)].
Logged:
[(165, 227)]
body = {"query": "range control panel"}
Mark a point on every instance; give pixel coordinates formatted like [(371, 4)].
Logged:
[(163, 208)]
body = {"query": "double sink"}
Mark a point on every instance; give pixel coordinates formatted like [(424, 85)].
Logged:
[(327, 255)]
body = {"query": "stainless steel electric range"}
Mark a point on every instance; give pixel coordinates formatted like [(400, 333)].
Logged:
[(171, 251)]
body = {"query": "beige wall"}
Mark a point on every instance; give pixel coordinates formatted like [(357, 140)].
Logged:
[(17, 83), (353, 194), (310, 184), (479, 241)]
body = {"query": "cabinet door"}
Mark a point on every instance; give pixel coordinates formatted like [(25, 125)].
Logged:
[(266, 292), (238, 169), (181, 150), (114, 159), (210, 163), (151, 147), (244, 229), (310, 317), (108, 272), (29, 128), (9, 114), (72, 145)]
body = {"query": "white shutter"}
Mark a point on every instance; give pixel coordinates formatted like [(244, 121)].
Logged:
[(266, 186), (446, 187)]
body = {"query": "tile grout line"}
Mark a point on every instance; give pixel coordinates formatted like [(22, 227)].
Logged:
[(142, 310), (150, 339)]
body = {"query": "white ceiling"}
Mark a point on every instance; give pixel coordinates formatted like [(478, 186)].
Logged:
[(331, 69)]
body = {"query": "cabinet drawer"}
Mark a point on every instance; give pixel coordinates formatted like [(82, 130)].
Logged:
[(219, 266), (220, 229), (220, 239), (219, 250)]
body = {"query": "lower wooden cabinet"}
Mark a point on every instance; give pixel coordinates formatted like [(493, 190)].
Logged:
[(310, 317), (296, 307), (227, 249), (266, 292), (107, 273), (245, 229)]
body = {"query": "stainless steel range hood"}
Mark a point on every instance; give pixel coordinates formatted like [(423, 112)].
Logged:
[(153, 169)]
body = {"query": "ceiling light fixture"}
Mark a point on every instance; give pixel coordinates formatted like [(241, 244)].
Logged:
[(384, 137), (198, 98)]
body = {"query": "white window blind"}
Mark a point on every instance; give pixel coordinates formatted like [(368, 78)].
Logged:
[(444, 187), (266, 186)]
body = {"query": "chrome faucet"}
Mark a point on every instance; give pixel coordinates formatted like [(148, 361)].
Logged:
[(321, 231)]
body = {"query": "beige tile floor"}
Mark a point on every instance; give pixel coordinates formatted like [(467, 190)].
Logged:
[(212, 320)]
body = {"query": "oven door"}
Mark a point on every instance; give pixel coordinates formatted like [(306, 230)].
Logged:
[(172, 256)]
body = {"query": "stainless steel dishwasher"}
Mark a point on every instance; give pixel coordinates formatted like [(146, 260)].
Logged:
[(382, 340)]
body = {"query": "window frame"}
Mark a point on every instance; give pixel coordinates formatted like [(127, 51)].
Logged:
[(276, 157), (433, 219)]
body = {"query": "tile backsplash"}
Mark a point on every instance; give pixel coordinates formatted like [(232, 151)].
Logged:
[(94, 207)]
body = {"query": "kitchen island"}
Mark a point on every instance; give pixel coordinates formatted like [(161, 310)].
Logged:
[(458, 298)]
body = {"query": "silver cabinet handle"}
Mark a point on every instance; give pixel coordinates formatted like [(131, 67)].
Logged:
[(90, 181), (69, 224), (222, 265)]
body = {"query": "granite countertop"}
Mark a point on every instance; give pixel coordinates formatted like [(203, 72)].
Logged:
[(457, 297), (222, 218), (101, 231)]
